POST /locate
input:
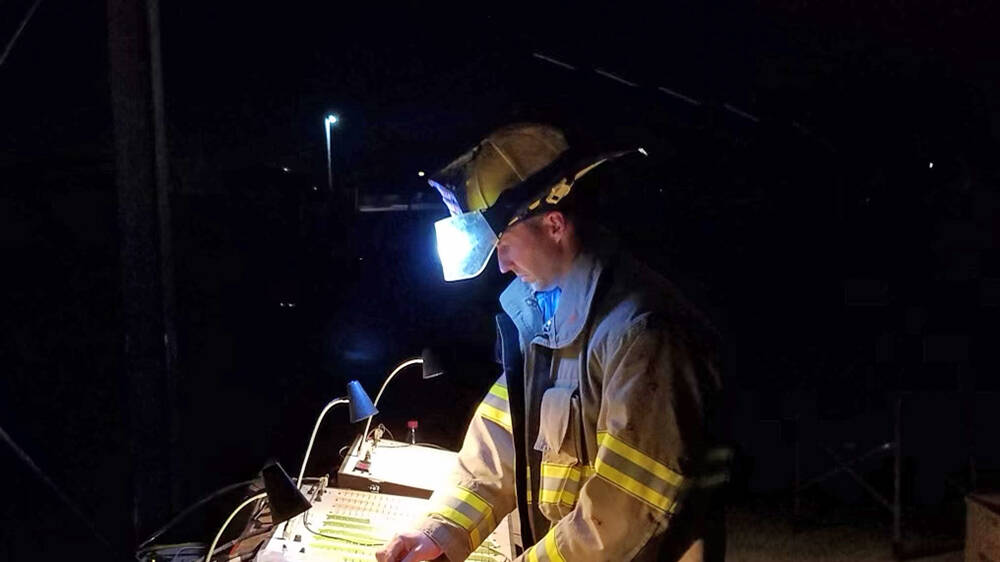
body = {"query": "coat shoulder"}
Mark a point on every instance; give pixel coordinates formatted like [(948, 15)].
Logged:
[(638, 298)]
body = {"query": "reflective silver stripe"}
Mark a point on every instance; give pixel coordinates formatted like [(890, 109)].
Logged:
[(560, 483), (495, 401), (469, 511), (636, 480), (545, 550), (465, 509)]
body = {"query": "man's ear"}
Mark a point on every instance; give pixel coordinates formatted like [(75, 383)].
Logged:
[(555, 224)]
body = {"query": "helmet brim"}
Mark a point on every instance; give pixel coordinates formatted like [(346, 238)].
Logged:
[(465, 243)]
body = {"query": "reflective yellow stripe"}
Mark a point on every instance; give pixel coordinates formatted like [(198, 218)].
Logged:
[(557, 496), (455, 516), (634, 487), (494, 414), (499, 391), (568, 498), (527, 473), (548, 496), (624, 449), (564, 472), (468, 498), (550, 547), (475, 538), (474, 499)]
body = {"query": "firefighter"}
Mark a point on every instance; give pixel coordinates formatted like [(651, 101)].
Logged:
[(598, 433)]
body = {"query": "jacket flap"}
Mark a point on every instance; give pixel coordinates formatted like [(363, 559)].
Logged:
[(554, 418)]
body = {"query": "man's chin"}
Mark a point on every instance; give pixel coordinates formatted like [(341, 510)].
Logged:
[(540, 286)]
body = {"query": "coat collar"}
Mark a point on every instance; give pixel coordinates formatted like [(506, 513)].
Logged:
[(578, 288)]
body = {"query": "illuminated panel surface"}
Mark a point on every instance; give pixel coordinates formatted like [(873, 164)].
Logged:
[(357, 524), (410, 465)]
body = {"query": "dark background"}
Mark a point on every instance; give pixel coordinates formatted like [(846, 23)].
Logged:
[(829, 203)]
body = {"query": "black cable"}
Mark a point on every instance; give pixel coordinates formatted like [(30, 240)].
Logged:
[(218, 549), (55, 489), (188, 511)]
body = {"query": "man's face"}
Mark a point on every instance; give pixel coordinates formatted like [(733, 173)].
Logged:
[(531, 250)]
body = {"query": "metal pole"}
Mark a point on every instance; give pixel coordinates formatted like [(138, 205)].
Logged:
[(897, 500), (139, 171), (166, 237), (797, 492), (329, 157)]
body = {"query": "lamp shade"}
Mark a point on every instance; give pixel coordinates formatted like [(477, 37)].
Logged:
[(432, 363), (360, 404), (284, 497)]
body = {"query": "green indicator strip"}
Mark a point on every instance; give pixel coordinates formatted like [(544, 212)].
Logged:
[(348, 519), (346, 535), (340, 548), (345, 525)]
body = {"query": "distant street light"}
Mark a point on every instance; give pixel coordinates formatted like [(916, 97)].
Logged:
[(328, 122)]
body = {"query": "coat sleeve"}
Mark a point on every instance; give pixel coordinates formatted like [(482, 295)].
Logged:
[(481, 493), (650, 430)]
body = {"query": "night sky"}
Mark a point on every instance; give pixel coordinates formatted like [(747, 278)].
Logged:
[(822, 182)]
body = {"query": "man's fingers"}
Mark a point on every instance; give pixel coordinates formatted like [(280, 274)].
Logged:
[(391, 551), (418, 554)]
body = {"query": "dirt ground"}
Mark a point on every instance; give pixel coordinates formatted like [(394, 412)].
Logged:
[(763, 534)]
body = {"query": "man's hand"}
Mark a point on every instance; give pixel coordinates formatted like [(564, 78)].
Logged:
[(409, 547)]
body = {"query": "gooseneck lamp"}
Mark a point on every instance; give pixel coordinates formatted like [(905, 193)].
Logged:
[(361, 408), (432, 367)]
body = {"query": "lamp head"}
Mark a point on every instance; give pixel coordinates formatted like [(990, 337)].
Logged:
[(285, 498), (432, 363), (360, 404)]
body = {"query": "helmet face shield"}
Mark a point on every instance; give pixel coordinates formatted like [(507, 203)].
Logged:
[(465, 243)]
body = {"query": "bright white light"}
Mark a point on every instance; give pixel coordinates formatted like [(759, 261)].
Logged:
[(315, 188), (643, 151), (454, 245), (285, 169), (465, 243), (331, 119), (421, 173), (931, 165)]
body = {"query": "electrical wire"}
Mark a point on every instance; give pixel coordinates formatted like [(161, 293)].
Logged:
[(403, 365), (237, 540), (319, 420), (215, 541), (190, 509), (17, 33), (26, 459), (384, 430), (175, 554)]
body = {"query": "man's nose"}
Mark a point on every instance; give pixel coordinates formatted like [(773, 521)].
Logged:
[(502, 259)]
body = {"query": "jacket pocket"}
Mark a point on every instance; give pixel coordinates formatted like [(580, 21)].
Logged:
[(562, 474)]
